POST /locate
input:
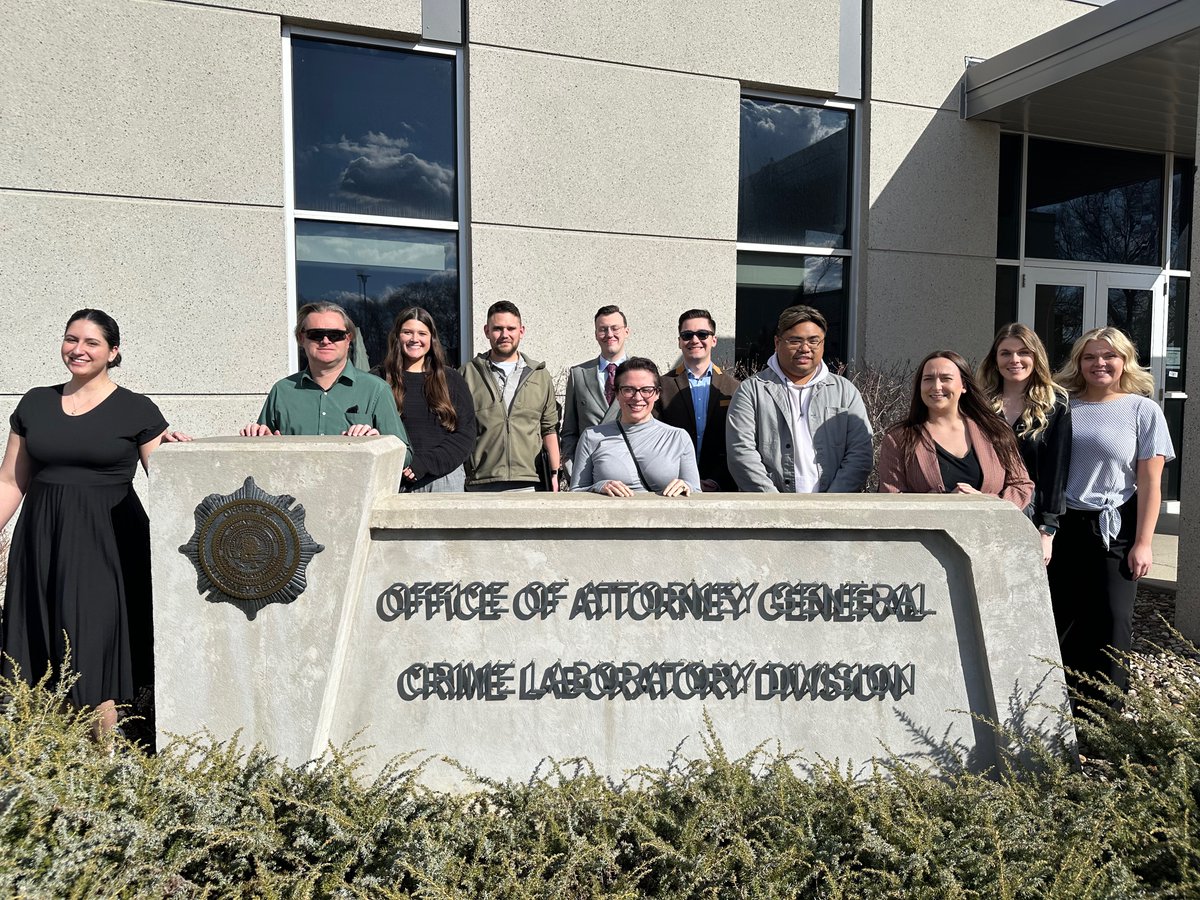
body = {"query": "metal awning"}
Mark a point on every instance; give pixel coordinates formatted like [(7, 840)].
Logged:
[(1125, 74)]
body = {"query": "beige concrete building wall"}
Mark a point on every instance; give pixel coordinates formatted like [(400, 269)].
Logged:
[(596, 183), (141, 173), (759, 41), (928, 248)]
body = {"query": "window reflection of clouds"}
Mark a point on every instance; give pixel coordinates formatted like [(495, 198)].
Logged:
[(361, 146), (795, 174), (777, 130)]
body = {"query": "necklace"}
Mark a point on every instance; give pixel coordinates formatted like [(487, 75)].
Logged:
[(77, 408)]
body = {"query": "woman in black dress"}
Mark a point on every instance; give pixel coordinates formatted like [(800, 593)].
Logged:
[(79, 565), (1016, 376), (433, 401)]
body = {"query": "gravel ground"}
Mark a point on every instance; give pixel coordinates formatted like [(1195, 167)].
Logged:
[(1156, 648)]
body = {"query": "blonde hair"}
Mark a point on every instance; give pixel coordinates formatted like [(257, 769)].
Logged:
[(1134, 378), (1041, 393)]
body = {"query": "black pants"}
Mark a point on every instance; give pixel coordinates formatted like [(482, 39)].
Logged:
[(1093, 592)]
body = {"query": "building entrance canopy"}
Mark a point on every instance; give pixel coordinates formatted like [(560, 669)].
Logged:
[(1125, 74)]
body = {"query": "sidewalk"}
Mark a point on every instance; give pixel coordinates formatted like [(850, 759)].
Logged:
[(1166, 559)]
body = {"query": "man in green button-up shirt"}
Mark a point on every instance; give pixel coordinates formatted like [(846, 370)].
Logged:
[(330, 396)]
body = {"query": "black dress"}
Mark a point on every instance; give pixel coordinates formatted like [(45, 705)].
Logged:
[(80, 556)]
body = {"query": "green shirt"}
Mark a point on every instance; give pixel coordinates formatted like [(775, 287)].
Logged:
[(298, 405)]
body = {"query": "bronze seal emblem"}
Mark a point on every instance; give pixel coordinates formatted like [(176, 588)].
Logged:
[(250, 548)]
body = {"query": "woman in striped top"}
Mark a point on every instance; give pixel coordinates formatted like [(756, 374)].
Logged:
[(1119, 445)]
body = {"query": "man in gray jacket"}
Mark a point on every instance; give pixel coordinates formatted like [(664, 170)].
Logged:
[(591, 392), (795, 427)]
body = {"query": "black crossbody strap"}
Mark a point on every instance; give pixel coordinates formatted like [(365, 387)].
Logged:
[(637, 465)]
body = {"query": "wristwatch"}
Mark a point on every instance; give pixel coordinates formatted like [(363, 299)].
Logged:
[(1048, 530)]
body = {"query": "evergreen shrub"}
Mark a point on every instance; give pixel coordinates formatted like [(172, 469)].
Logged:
[(204, 818)]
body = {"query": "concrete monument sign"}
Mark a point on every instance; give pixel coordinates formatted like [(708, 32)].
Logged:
[(504, 629)]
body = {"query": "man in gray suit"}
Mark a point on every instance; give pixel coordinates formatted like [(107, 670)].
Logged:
[(591, 393)]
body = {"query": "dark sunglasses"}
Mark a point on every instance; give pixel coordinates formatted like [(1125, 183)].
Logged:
[(335, 335), (703, 334)]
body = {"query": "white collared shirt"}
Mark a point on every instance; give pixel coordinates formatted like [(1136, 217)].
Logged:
[(804, 461)]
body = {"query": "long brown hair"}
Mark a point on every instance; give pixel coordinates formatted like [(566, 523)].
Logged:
[(972, 405), (1041, 393), (437, 391)]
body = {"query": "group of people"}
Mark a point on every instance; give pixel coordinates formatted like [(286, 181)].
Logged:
[(1081, 453)]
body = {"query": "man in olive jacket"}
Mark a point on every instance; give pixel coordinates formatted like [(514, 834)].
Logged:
[(515, 410), (796, 427)]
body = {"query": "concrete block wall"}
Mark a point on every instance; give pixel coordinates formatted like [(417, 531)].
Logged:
[(928, 243), (604, 157)]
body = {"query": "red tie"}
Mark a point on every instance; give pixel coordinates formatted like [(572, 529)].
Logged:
[(610, 383)]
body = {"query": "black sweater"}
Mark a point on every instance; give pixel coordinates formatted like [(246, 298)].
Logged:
[(1047, 458), (436, 451)]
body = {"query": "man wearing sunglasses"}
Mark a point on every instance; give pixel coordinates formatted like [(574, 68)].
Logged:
[(695, 397), (795, 427), (330, 396), (591, 392)]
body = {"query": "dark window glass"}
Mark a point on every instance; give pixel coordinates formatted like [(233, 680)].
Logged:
[(1183, 183), (768, 283), (373, 130), (374, 272), (1008, 281), (1093, 204), (1058, 319), (794, 185), (1175, 363), (1008, 232), (1173, 410), (1129, 309)]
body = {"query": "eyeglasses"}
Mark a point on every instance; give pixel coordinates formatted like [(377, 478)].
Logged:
[(646, 392), (335, 335), (610, 329), (795, 343), (704, 334)]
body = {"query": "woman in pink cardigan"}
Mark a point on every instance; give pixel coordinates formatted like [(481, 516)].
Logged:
[(952, 441)]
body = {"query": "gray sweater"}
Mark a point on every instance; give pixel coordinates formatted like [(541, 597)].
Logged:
[(664, 452)]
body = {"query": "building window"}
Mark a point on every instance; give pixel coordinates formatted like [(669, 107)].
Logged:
[(794, 221), (1093, 204), (374, 193)]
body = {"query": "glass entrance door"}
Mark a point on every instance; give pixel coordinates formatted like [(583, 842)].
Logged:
[(1060, 304)]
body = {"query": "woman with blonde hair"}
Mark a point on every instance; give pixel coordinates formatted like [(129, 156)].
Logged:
[(1015, 374), (1119, 445), (952, 442)]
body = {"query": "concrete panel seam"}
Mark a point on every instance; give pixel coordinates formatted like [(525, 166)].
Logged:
[(935, 108), (605, 62), (629, 234), (6, 189)]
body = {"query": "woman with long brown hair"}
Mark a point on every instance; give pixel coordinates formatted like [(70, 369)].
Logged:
[(952, 442), (1015, 374), (433, 402)]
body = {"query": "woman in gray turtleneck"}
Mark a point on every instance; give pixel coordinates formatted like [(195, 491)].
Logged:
[(637, 453)]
